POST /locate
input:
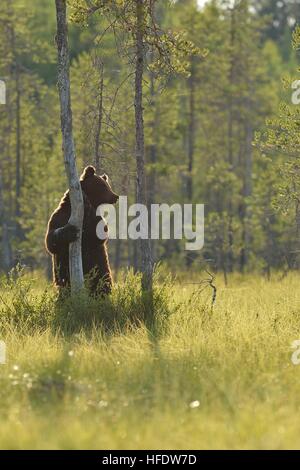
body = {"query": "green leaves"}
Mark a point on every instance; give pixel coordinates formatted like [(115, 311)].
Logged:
[(171, 49)]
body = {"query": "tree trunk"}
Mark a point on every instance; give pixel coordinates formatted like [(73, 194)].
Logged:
[(6, 263), (76, 198), (17, 78), (191, 130), (100, 67), (144, 245), (191, 144), (18, 146), (247, 194), (152, 156), (117, 262), (230, 137)]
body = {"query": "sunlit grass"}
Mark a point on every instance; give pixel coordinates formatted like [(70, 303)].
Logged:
[(211, 379)]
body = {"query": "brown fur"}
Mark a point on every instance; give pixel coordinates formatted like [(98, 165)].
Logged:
[(96, 190)]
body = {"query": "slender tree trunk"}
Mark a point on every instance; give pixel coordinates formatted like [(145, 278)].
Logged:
[(5, 213), (152, 157), (18, 142), (6, 250), (99, 118), (230, 137), (10, 202), (247, 194), (191, 130), (117, 256), (297, 222), (76, 199), (191, 144), (135, 256), (144, 245), (118, 243), (16, 74)]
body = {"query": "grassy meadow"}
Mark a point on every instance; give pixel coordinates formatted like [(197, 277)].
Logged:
[(91, 375)]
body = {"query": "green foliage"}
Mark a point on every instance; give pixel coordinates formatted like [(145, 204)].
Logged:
[(234, 69), (170, 48)]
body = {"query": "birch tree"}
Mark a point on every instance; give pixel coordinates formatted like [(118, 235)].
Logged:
[(75, 193)]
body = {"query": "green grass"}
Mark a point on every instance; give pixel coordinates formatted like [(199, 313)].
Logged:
[(200, 380)]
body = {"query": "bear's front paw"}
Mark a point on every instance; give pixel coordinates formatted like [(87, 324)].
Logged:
[(67, 234)]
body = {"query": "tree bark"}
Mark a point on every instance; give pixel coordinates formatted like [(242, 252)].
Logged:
[(247, 192), (230, 136), (76, 198), (191, 129), (191, 143), (18, 144), (152, 154), (144, 245), (6, 263), (15, 68), (99, 118)]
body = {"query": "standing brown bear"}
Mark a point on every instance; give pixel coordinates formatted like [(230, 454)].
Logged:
[(96, 190)]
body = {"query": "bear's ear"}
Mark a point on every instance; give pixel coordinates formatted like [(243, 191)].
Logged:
[(105, 177), (88, 171)]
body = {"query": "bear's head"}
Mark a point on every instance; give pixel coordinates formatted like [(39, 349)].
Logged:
[(97, 188)]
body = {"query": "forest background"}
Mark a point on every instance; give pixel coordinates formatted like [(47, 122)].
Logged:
[(202, 118)]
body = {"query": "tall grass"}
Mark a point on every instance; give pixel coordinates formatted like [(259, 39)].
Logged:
[(26, 307), (94, 375)]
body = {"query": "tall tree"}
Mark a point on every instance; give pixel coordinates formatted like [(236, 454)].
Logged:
[(145, 244), (75, 192), (136, 20)]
